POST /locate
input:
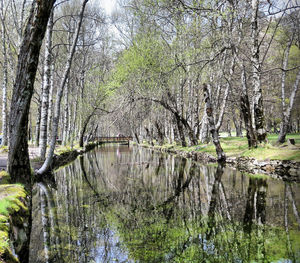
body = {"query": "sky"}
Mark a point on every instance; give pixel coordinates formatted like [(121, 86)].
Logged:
[(108, 5)]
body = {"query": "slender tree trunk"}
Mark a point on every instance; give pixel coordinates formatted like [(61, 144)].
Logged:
[(136, 137), (223, 106), (284, 126), (46, 89), (196, 114), (4, 77), (55, 124), (18, 157), (83, 130), (214, 132), (175, 130), (237, 124), (69, 132), (246, 111), (50, 109), (180, 131), (256, 79), (72, 132), (204, 136), (66, 115), (285, 115), (160, 133), (38, 124)]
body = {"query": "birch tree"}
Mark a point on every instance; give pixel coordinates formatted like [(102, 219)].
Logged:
[(4, 74), (292, 37), (46, 89), (18, 157), (256, 75), (47, 164)]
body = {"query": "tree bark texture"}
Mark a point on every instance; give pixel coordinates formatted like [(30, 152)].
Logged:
[(246, 111), (46, 89), (212, 128), (38, 124), (83, 129), (256, 79), (284, 126), (160, 132), (66, 115), (55, 122), (18, 157), (4, 78)]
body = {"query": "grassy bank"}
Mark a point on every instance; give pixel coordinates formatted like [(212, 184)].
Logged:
[(238, 146), (11, 201)]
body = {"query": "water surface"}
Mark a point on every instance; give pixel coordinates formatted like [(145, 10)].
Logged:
[(129, 204)]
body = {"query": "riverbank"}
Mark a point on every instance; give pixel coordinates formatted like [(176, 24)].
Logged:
[(277, 161), (14, 202)]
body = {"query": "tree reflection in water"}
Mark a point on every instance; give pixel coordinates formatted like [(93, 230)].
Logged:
[(140, 206)]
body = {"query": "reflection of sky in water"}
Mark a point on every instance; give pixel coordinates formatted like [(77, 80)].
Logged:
[(135, 179), (113, 251)]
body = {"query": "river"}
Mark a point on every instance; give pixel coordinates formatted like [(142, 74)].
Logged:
[(131, 204)]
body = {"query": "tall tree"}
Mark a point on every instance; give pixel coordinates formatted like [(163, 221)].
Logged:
[(4, 74), (256, 75), (46, 165), (46, 89), (18, 157)]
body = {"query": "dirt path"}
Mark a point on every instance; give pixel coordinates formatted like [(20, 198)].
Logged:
[(33, 154)]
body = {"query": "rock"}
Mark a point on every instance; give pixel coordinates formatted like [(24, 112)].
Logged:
[(291, 142)]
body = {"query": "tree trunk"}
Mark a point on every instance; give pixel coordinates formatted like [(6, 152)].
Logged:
[(4, 78), (137, 137), (180, 131), (256, 80), (66, 115), (204, 136), (55, 123), (175, 130), (46, 89), (246, 111), (73, 128), (18, 157), (160, 133), (50, 109), (214, 132), (284, 126), (38, 124), (83, 130), (237, 124)]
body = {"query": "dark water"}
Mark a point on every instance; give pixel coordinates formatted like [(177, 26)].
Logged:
[(120, 204)]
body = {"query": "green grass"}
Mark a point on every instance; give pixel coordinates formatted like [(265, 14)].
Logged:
[(238, 146), (258, 176)]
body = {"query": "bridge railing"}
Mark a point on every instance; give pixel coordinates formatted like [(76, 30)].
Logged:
[(113, 139)]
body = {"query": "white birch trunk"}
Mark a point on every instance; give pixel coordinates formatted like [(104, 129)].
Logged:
[(4, 78), (256, 78), (46, 89), (50, 109), (285, 114), (66, 115), (288, 111), (55, 124)]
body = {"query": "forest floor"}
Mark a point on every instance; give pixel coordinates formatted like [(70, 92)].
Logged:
[(238, 147)]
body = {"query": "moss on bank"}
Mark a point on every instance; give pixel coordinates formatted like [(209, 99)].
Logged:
[(11, 201)]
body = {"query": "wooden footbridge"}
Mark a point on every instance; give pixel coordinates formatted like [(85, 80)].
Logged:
[(117, 139)]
